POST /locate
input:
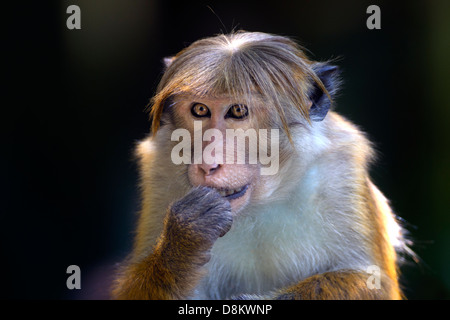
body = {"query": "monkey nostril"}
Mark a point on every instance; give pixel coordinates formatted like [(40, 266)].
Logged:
[(212, 169), (209, 169)]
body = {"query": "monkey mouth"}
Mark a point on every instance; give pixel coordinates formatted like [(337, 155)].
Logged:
[(231, 194)]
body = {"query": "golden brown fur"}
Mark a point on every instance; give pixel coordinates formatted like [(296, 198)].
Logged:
[(308, 232)]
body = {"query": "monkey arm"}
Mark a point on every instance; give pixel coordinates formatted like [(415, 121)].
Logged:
[(338, 285), (164, 274), (175, 266)]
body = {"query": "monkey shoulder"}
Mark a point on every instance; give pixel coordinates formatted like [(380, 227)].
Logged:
[(347, 140)]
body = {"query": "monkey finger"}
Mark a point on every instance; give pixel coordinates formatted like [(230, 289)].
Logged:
[(225, 230)]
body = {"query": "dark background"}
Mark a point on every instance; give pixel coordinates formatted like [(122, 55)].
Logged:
[(73, 107)]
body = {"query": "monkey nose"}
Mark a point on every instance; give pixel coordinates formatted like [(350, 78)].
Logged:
[(209, 169)]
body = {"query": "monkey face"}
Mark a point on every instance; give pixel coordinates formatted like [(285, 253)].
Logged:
[(225, 142)]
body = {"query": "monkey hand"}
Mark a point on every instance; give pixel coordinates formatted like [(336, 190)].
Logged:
[(191, 227), (195, 222)]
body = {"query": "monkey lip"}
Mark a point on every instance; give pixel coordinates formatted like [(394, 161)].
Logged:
[(231, 194)]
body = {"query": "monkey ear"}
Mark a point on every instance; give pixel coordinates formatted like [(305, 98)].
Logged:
[(168, 61), (329, 75)]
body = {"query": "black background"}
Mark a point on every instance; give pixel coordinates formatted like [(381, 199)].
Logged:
[(73, 107)]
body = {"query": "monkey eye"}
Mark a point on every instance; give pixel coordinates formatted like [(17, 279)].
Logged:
[(200, 110), (237, 111)]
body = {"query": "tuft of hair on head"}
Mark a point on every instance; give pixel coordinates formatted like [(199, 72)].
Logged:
[(249, 66)]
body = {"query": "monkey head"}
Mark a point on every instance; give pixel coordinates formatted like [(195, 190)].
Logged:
[(224, 86)]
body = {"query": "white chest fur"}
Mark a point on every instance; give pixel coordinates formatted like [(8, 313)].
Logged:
[(273, 246)]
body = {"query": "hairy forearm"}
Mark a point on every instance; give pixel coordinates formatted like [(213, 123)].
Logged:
[(160, 276), (337, 285)]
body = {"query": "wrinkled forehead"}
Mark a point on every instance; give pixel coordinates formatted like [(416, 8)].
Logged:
[(255, 100)]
